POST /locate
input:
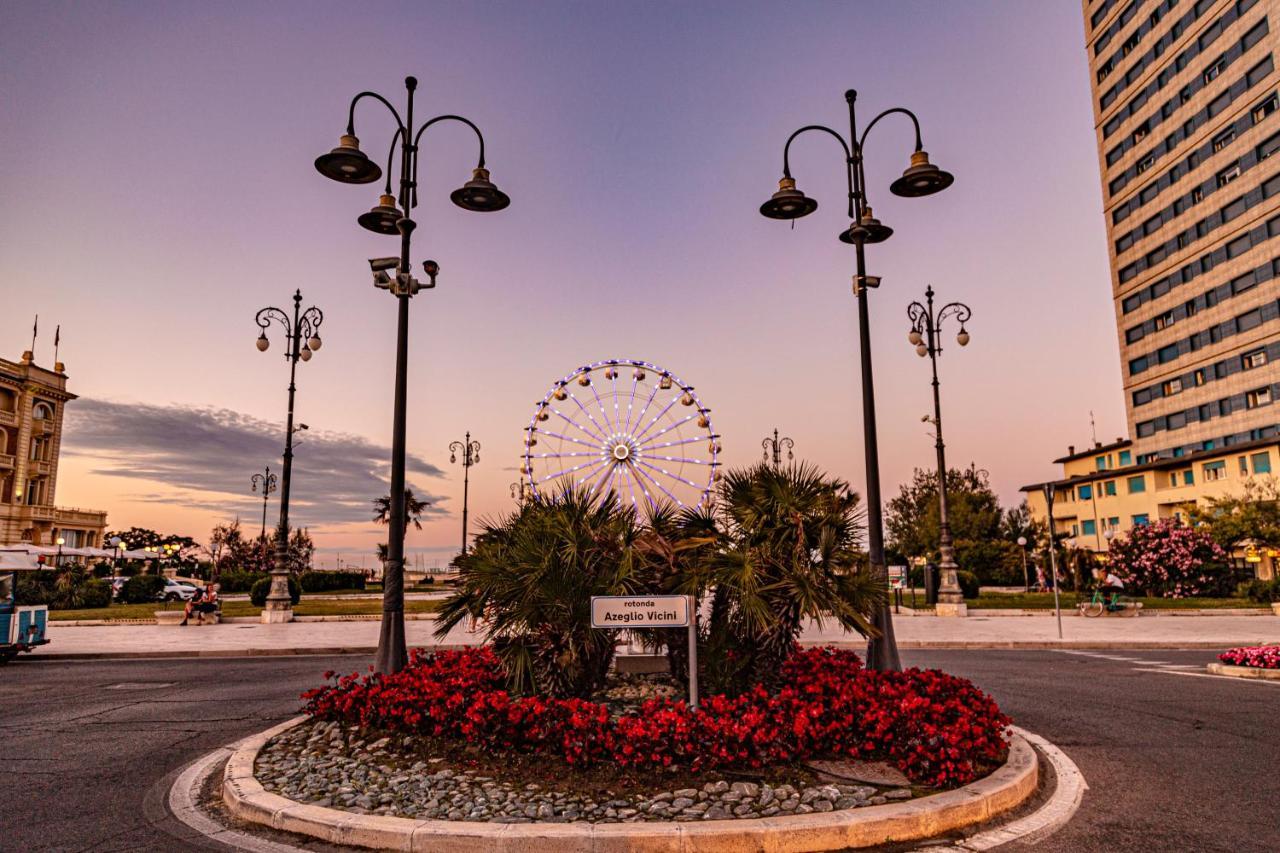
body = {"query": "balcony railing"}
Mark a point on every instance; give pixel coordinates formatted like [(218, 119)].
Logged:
[(8, 418), (7, 461), (44, 426)]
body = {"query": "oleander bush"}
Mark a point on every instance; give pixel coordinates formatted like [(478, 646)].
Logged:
[(1262, 657), (1166, 559), (938, 729)]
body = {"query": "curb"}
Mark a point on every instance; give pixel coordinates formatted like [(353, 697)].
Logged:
[(1244, 671), (246, 799)]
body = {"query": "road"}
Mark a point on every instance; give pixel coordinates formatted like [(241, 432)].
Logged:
[(1175, 761)]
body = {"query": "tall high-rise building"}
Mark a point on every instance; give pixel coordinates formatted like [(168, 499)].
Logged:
[(1187, 112)]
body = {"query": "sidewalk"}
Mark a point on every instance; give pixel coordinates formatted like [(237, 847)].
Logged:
[(913, 632)]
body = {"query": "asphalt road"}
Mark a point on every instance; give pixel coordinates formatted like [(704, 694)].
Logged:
[(1174, 761)]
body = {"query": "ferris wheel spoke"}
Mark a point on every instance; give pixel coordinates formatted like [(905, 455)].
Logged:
[(595, 445), (659, 485), (604, 413), (668, 428), (617, 415), (565, 455), (655, 447), (678, 459), (608, 472), (583, 408), (572, 470), (656, 418), (631, 486), (631, 403), (644, 409), (675, 477)]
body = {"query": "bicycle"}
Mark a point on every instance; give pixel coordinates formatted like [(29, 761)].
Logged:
[(1101, 603)]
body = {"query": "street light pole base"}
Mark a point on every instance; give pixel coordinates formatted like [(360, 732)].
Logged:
[(947, 608), (277, 613)]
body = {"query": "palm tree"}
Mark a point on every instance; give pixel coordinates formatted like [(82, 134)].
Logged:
[(413, 510), (533, 573)]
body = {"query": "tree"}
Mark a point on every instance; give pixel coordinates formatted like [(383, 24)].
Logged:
[(1252, 518), (413, 510), (228, 547), (973, 511), (1170, 560)]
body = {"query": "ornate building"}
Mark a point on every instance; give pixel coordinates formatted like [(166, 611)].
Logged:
[(32, 400)]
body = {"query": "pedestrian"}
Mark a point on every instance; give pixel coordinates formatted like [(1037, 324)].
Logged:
[(191, 605)]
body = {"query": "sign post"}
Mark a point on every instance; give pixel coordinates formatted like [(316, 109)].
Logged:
[(652, 611)]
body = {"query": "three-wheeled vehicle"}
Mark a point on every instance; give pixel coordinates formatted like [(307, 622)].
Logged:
[(22, 628)]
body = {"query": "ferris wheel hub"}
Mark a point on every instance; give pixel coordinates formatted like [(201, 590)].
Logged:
[(621, 452)]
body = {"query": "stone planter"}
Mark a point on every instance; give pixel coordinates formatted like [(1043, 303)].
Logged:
[(1275, 607)]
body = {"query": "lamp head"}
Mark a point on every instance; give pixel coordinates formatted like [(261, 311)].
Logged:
[(921, 178), (61, 541), (314, 343), (868, 229), (915, 337), (963, 338), (304, 354), (788, 202), (479, 194), (347, 163), (263, 343), (1022, 540), (383, 217), (922, 350)]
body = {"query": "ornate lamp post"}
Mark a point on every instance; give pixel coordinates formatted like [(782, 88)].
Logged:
[(470, 451), (267, 481), (57, 561), (348, 164), (773, 448), (520, 492), (302, 338), (1026, 577), (926, 328), (921, 178), (119, 546)]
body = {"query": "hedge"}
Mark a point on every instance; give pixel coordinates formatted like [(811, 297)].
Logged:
[(327, 581), (141, 589), (258, 594)]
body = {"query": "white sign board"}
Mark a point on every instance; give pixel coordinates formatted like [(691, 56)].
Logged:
[(897, 577), (639, 611)]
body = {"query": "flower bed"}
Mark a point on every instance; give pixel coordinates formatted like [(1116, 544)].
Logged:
[(937, 729), (1261, 657)]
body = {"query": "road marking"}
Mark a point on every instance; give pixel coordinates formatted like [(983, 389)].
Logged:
[(1207, 675)]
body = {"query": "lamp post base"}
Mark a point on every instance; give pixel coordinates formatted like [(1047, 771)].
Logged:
[(951, 608), (277, 612)]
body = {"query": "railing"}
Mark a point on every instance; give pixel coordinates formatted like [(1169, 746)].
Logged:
[(8, 418), (7, 460), (43, 426)]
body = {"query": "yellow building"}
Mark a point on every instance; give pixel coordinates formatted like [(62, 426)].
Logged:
[(32, 400), (1103, 493)]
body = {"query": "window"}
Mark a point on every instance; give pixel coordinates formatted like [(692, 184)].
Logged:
[(1229, 174), (1167, 353), (1171, 387), (1089, 527), (1188, 477), (1250, 360), (1214, 471), (1199, 377), (1197, 195), (1241, 283), (1222, 140), (1140, 519), (1265, 108), (1085, 492), (1244, 466), (1261, 463), (1164, 320), (1215, 69), (1136, 484), (1109, 488), (1144, 164), (1140, 132), (1237, 207), (1100, 463), (1224, 408), (1173, 479), (1125, 458), (1177, 420), (1249, 320), (1266, 149), (1257, 397)]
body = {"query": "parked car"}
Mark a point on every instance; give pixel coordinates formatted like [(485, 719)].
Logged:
[(117, 583), (176, 591)]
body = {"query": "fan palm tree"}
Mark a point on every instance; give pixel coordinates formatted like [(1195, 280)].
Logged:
[(413, 510)]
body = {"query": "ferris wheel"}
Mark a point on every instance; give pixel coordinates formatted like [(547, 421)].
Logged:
[(626, 426)]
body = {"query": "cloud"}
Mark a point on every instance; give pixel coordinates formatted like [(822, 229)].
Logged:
[(210, 454)]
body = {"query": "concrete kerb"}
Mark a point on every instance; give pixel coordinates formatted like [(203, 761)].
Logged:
[(982, 800), (1243, 671)]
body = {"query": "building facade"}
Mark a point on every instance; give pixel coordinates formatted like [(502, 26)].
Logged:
[(32, 402)]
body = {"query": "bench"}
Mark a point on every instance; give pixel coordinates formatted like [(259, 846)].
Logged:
[(174, 617)]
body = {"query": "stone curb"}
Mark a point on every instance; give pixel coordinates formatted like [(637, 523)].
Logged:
[(1244, 671), (1004, 789)]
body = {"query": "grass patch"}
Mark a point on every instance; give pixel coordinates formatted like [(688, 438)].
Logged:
[(356, 607), (1044, 601)]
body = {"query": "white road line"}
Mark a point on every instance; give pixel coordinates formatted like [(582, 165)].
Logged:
[(1207, 675)]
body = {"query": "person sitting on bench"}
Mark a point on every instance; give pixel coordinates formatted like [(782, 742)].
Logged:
[(204, 601)]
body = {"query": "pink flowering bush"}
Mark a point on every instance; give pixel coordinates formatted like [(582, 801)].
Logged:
[(1170, 560), (1263, 657)]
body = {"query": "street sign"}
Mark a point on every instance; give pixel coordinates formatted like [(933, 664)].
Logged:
[(639, 611), (897, 577)]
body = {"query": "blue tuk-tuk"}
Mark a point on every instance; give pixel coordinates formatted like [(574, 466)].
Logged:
[(22, 627)]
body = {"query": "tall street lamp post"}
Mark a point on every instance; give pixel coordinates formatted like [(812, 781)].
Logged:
[(267, 482), (926, 328), (773, 448), (1026, 576), (57, 561), (302, 338), (470, 451), (520, 492), (921, 178), (348, 164), (1050, 491)]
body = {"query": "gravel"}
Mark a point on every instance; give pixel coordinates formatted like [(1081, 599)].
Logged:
[(321, 764)]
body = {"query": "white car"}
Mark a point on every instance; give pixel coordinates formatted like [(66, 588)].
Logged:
[(176, 591)]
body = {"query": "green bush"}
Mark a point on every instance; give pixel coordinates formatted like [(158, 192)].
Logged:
[(327, 581), (95, 593), (258, 594), (141, 589), (1263, 592), (238, 581), (995, 561), (34, 588), (970, 586)]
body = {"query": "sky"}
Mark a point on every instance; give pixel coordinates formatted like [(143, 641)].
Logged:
[(159, 188)]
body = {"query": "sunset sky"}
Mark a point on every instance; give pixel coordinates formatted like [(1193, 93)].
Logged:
[(158, 189)]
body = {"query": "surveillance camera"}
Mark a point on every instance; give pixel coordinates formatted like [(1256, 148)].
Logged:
[(381, 279), (380, 264), (432, 268), (303, 426)]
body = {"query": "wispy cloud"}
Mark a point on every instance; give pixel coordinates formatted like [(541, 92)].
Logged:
[(210, 454)]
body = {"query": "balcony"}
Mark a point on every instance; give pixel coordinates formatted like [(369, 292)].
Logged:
[(7, 461), (44, 426), (8, 418)]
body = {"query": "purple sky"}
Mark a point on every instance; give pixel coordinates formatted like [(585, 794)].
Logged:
[(158, 189)]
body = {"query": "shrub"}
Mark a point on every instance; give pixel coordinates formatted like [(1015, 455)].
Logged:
[(1170, 560), (141, 589), (238, 581), (1262, 591), (326, 581), (262, 588), (970, 586), (95, 593), (936, 728), (33, 588), (1262, 657), (995, 561)]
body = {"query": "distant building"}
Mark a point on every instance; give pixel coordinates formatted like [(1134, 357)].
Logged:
[(1186, 101), (32, 400)]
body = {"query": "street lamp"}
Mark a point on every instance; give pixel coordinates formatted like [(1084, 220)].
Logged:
[(470, 451), (118, 545), (921, 178), (57, 561), (773, 448), (1026, 577), (302, 338), (267, 481), (926, 329), (520, 492), (348, 164)]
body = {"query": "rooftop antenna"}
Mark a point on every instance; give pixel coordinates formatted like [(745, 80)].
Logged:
[(35, 328), (57, 338), (1093, 428)]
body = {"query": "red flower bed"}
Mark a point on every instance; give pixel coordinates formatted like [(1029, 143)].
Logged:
[(936, 728), (1263, 657)]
